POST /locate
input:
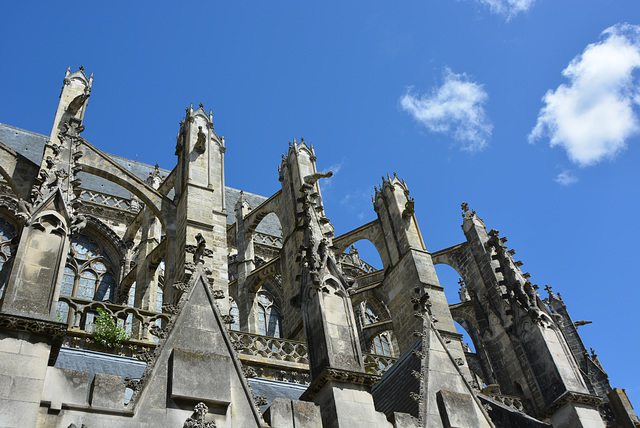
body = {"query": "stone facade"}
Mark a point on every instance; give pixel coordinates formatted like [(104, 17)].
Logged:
[(138, 297)]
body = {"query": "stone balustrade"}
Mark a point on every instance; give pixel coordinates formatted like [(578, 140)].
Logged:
[(292, 351), (354, 260), (136, 321), (110, 201), (268, 240)]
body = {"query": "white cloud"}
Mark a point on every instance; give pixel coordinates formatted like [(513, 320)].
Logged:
[(593, 115), (509, 8), (336, 167), (566, 178), (326, 183), (456, 108)]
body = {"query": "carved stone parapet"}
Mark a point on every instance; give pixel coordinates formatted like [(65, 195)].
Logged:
[(158, 332), (30, 325), (338, 375), (53, 329), (260, 400), (217, 294), (145, 355), (415, 397), (572, 397), (133, 384), (249, 371), (170, 308), (181, 286)]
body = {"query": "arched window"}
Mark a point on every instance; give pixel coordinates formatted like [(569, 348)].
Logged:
[(269, 318), (7, 233), (128, 323), (159, 296), (88, 275), (381, 345), (370, 316), (235, 313)]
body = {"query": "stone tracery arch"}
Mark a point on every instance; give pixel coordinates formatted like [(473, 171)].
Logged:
[(371, 232)]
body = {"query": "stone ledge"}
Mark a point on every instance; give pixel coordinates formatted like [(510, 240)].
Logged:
[(572, 397), (338, 375), (53, 329)]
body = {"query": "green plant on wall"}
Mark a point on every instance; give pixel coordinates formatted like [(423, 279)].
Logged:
[(106, 330)]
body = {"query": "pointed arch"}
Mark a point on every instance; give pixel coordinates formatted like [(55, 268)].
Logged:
[(371, 232)]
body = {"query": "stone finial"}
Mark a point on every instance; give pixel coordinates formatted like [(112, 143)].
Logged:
[(201, 106), (155, 178), (199, 411), (551, 294), (466, 213)]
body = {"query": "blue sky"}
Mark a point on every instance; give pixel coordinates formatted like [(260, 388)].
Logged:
[(526, 109)]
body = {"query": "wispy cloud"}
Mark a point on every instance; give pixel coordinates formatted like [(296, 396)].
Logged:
[(566, 178), (336, 167), (326, 183), (358, 202), (508, 8), (456, 108), (593, 116)]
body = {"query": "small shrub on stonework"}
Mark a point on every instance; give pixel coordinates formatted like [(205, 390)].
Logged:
[(106, 330)]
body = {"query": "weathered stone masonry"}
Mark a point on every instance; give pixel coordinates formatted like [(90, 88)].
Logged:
[(241, 310)]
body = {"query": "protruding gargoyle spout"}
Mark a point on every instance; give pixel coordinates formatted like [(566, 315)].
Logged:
[(313, 178)]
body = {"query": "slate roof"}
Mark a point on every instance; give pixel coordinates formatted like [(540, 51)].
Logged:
[(31, 145), (392, 393), (274, 388), (97, 362)]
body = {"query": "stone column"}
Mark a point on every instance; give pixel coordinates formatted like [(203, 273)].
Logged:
[(245, 260)]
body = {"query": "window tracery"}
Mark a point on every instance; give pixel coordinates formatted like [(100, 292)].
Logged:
[(7, 233), (89, 274), (381, 345), (269, 317), (235, 313)]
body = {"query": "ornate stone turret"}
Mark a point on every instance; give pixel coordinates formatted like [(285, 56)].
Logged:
[(199, 190), (548, 378), (339, 384)]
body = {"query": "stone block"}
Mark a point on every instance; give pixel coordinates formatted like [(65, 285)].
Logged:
[(107, 391), (200, 376), (457, 410), (279, 413), (65, 386), (306, 414), (404, 420)]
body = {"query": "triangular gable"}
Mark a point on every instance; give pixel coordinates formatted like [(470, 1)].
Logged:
[(196, 363)]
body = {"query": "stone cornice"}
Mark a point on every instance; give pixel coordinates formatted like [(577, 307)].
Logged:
[(572, 397), (338, 375), (32, 325), (55, 330)]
